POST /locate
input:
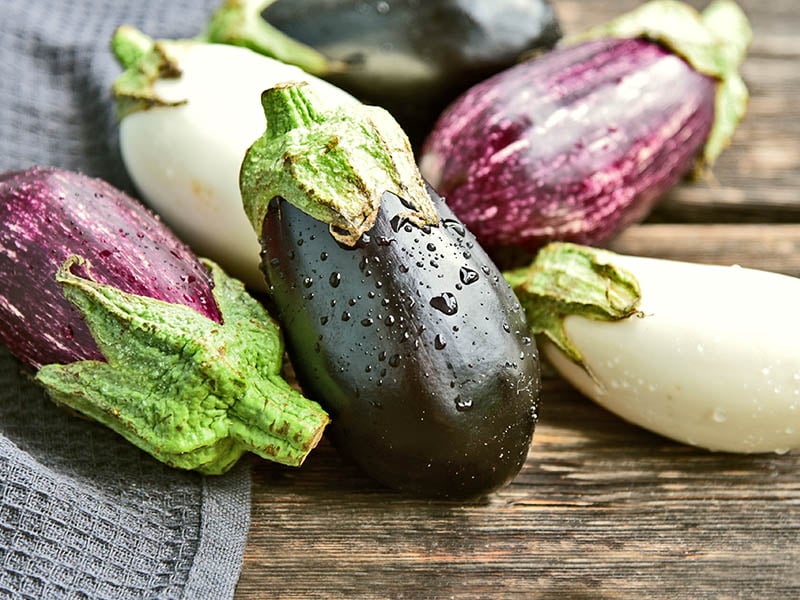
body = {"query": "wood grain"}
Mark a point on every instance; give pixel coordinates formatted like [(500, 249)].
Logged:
[(602, 509)]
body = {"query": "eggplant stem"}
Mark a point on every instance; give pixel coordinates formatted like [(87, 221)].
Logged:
[(239, 23)]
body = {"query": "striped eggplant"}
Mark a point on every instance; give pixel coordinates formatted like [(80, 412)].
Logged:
[(411, 57), (579, 143), (122, 323), (395, 318)]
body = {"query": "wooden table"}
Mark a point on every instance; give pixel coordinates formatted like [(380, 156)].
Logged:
[(602, 509)]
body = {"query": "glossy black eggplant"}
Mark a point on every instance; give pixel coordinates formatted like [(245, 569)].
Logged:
[(413, 341), (410, 56)]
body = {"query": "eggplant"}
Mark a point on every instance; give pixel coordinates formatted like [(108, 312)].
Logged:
[(188, 111), (579, 143), (406, 332), (122, 323), (678, 348), (409, 56)]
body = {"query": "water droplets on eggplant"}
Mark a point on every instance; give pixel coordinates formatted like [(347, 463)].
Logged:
[(468, 276), (445, 303), (463, 404), (438, 342)]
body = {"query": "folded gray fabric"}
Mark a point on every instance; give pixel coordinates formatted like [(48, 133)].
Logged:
[(83, 514)]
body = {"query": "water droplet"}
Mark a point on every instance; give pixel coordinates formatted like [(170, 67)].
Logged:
[(468, 276), (323, 320), (403, 268), (720, 415), (345, 316), (352, 302), (368, 369), (382, 7), (384, 241), (486, 269), (308, 282), (394, 360), (781, 450), (446, 303), (463, 404), (506, 328), (323, 256), (335, 279), (397, 222), (382, 356), (456, 226), (439, 343), (333, 302), (389, 320), (431, 247), (367, 322)]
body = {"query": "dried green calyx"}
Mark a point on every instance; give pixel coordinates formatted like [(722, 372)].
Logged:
[(194, 393), (145, 61), (568, 279), (334, 165), (713, 42)]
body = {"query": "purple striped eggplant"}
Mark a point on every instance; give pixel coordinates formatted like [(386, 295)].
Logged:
[(122, 323), (581, 142)]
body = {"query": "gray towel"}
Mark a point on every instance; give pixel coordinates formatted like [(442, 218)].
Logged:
[(83, 514)]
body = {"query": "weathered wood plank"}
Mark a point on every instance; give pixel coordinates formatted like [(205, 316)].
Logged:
[(772, 247)]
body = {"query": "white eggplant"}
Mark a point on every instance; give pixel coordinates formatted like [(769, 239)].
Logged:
[(706, 355), (189, 111)]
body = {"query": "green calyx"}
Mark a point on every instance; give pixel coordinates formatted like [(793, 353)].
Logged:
[(568, 279), (145, 61), (713, 42), (194, 393), (333, 165), (239, 23)]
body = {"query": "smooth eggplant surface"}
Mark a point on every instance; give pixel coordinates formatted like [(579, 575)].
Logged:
[(413, 57), (413, 342), (49, 214), (572, 146)]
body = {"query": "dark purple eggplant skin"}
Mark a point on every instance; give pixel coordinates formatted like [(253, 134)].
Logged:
[(413, 57), (415, 344), (574, 145), (48, 214)]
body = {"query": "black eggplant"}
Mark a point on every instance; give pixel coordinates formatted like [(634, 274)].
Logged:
[(395, 319), (410, 56), (414, 343)]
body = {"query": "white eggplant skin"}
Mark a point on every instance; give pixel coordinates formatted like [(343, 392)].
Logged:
[(185, 159), (714, 360)]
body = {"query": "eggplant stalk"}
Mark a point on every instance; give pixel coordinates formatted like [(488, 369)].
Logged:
[(239, 23)]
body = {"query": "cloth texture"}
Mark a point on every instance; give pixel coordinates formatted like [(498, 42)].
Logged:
[(84, 514)]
